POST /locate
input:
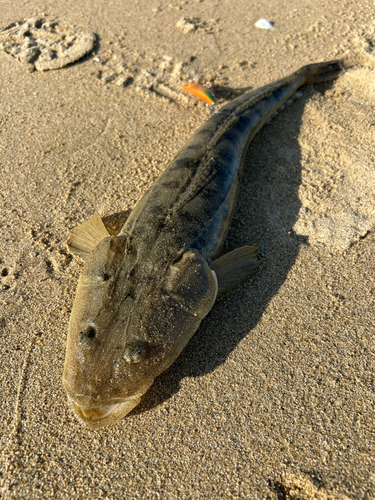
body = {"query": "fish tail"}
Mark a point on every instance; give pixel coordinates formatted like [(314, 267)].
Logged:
[(321, 72)]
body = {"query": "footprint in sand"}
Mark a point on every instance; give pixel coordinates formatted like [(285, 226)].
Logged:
[(337, 147), (338, 178), (43, 45)]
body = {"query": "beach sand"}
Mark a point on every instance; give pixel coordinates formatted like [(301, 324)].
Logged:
[(273, 398)]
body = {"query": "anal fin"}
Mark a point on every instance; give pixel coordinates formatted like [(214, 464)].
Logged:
[(85, 237), (236, 267)]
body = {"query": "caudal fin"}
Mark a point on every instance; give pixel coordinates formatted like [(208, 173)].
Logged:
[(322, 72)]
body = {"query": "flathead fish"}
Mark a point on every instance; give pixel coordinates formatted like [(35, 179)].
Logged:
[(144, 291)]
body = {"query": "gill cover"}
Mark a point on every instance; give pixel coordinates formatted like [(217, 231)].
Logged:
[(190, 278)]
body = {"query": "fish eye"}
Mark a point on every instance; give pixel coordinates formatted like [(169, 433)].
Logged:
[(86, 337), (178, 257), (134, 353), (106, 276)]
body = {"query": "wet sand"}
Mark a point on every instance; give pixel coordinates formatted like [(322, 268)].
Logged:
[(274, 396)]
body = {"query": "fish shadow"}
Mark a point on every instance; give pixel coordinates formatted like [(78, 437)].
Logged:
[(266, 212), (225, 93)]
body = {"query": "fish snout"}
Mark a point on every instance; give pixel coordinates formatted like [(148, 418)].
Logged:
[(101, 416), (95, 412)]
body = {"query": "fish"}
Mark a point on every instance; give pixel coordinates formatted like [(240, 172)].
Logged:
[(146, 287)]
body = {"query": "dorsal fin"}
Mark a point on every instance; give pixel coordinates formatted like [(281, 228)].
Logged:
[(84, 238), (199, 181)]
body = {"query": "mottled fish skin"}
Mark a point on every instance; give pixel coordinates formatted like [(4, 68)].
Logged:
[(144, 292)]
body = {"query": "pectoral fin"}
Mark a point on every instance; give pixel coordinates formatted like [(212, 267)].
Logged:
[(84, 238), (115, 222), (236, 267)]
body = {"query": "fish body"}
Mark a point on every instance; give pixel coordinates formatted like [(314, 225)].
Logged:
[(144, 291)]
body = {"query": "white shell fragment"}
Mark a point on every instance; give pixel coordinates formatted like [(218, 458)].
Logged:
[(264, 24)]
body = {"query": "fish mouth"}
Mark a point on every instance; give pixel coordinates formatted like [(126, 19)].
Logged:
[(101, 416), (95, 412)]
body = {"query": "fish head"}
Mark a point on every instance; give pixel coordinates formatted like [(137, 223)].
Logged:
[(130, 320)]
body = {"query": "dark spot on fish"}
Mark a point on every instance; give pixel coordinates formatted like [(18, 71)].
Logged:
[(194, 146), (185, 162), (207, 130), (132, 273), (106, 276), (157, 210), (86, 338), (4, 272), (171, 184), (130, 296)]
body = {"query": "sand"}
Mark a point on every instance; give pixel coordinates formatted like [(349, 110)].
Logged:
[(274, 396)]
